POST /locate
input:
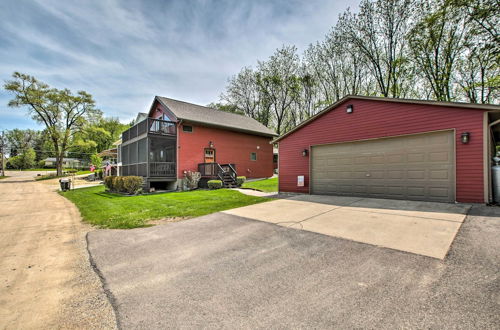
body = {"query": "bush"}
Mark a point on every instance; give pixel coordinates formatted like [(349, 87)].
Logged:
[(124, 184), (240, 180), (109, 182), (132, 184), (192, 179), (214, 184)]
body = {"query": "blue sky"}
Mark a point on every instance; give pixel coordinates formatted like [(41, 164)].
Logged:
[(125, 52)]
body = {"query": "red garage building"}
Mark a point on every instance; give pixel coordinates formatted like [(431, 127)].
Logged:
[(392, 148)]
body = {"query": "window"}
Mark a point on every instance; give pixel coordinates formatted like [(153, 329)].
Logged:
[(253, 156), (209, 155), (186, 128)]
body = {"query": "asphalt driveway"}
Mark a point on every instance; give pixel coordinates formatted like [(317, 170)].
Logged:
[(424, 228), (225, 271)]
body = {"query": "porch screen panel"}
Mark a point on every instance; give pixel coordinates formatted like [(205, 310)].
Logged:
[(142, 149), (133, 153), (125, 157), (162, 150)]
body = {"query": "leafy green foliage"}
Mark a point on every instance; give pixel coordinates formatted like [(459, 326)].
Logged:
[(96, 160), (214, 184), (109, 210), (240, 180), (26, 159), (62, 112), (124, 184)]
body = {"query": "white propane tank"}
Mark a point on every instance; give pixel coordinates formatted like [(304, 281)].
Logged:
[(495, 176)]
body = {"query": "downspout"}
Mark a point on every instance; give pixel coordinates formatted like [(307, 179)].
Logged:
[(177, 146)]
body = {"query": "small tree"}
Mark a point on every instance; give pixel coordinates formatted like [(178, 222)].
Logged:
[(96, 160), (24, 160), (62, 112)]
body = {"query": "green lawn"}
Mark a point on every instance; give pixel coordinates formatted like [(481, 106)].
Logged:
[(52, 170), (267, 185), (83, 172), (117, 211)]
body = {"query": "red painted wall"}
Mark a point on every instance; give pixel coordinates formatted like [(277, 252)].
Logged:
[(372, 119), (230, 148)]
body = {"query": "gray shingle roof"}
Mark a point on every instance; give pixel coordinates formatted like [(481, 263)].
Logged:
[(204, 115)]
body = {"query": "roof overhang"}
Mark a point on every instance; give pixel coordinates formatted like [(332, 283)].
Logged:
[(474, 106), (228, 128)]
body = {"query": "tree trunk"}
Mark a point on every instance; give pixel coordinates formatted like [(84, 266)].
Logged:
[(59, 164)]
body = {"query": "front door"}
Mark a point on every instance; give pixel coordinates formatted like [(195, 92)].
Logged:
[(209, 155)]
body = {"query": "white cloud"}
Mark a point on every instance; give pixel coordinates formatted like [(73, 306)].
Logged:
[(125, 52)]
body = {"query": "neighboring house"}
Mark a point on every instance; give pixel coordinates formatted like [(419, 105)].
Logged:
[(67, 162), (177, 136), (393, 148)]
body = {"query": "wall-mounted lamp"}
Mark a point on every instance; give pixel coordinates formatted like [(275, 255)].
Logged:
[(305, 152), (349, 109), (465, 137), (210, 144)]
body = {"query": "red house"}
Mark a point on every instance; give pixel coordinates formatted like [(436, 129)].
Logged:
[(393, 148), (176, 136)]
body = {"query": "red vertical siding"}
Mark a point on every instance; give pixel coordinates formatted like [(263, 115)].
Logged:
[(230, 148), (373, 119)]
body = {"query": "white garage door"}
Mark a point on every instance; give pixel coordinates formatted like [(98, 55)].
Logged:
[(414, 167)]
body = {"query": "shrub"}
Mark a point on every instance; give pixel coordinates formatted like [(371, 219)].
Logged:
[(240, 180), (124, 184), (192, 179), (132, 184), (109, 182), (118, 183), (214, 184)]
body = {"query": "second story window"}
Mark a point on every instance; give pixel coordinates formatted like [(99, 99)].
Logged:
[(186, 128), (253, 156)]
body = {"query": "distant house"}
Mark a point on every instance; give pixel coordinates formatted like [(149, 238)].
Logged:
[(177, 136), (67, 162)]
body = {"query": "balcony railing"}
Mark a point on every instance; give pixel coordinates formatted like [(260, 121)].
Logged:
[(162, 169), (150, 126)]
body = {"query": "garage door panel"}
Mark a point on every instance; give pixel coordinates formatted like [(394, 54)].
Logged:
[(419, 167)]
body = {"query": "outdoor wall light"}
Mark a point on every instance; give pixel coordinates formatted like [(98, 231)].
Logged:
[(349, 108), (210, 144), (305, 152), (465, 137)]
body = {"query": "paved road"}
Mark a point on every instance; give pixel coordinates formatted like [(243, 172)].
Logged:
[(223, 271), (46, 280)]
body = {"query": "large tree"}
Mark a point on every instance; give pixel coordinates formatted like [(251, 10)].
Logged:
[(378, 32), (21, 139), (62, 112), (279, 83), (436, 42)]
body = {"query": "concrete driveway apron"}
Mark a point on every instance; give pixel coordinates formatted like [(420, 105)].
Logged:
[(423, 228)]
